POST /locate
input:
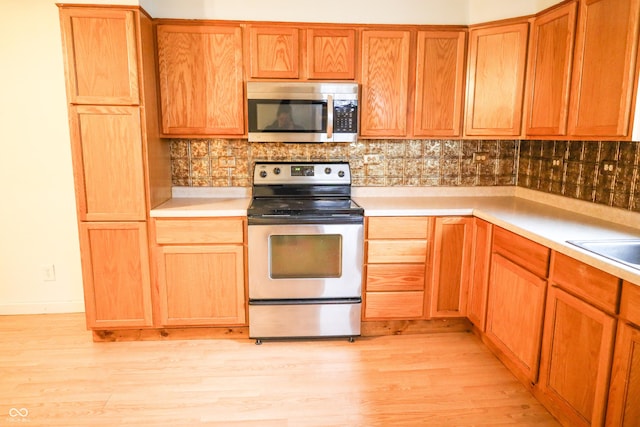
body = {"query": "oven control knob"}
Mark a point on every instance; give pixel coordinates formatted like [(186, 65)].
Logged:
[(327, 171), (263, 174), (341, 174), (276, 171)]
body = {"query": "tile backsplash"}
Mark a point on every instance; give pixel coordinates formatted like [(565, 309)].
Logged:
[(604, 172), (229, 162)]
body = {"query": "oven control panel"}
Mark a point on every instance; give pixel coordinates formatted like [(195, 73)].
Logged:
[(301, 173)]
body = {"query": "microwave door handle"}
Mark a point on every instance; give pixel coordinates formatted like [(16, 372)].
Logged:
[(329, 116)]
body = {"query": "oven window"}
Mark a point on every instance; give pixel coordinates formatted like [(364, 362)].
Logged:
[(306, 256)]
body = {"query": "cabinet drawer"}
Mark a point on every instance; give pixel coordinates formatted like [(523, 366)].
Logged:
[(397, 251), (396, 305), (595, 286), (522, 251), (395, 277), (185, 231), (630, 303), (380, 227)]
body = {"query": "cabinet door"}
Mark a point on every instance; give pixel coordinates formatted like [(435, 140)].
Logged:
[(331, 53), (623, 409), (451, 261), (480, 263), (550, 61), (385, 75), (100, 52), (200, 71), (202, 285), (115, 272), (108, 163), (604, 73), (495, 87), (515, 314), (439, 83), (576, 358), (274, 52)]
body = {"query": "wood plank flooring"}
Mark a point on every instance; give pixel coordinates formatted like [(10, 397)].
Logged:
[(53, 374)]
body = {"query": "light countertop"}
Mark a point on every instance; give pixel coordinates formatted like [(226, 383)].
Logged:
[(544, 218)]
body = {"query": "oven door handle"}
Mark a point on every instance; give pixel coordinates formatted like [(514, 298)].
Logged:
[(329, 116)]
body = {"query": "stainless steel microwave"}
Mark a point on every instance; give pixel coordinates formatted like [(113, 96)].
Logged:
[(302, 112)]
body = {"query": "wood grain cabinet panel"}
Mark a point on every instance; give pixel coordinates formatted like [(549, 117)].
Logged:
[(199, 230), (201, 81), (108, 162), (515, 314), (274, 52), (630, 303), (439, 83), (623, 408), (526, 253), (549, 76), (331, 53), (394, 305), (101, 55), (495, 83), (604, 72), (576, 359), (117, 285), (395, 277), (451, 266), (480, 265), (385, 80), (410, 227)]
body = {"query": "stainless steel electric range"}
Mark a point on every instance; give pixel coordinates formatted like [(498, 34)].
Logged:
[(305, 240)]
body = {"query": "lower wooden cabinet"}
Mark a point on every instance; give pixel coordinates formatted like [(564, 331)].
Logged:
[(115, 272), (479, 281), (576, 359), (200, 270)]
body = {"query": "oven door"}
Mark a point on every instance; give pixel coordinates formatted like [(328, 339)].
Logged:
[(305, 261)]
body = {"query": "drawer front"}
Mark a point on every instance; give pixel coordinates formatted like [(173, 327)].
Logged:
[(397, 251), (594, 286), (394, 305), (522, 251), (630, 303), (398, 227), (185, 231), (395, 277)]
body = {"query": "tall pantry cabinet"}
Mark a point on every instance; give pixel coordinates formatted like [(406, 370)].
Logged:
[(114, 132)]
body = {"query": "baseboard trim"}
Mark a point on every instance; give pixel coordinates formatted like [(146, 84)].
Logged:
[(42, 308)]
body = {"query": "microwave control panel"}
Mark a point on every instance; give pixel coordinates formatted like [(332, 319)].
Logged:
[(345, 116)]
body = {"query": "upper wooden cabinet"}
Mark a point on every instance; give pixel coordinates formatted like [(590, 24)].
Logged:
[(201, 82), (439, 83), (385, 75), (604, 73), (495, 83), (274, 52), (101, 56), (549, 75), (331, 53), (108, 162)]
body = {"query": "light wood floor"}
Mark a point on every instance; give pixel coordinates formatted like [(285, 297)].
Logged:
[(50, 367)]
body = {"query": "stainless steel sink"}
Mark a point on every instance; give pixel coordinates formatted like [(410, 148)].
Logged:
[(624, 251)]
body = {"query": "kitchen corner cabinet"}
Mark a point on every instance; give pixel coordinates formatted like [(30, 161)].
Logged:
[(577, 347), (604, 72), (100, 50), (623, 408), (439, 83), (201, 79), (200, 266), (385, 80), (450, 267), (549, 75), (396, 262), (115, 272), (515, 307), (495, 80), (331, 53), (274, 52), (482, 232)]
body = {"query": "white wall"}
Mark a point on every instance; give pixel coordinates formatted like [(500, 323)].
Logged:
[(37, 204)]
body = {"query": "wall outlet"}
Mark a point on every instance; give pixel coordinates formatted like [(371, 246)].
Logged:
[(48, 272), (227, 162), (557, 161), (480, 157), (372, 159), (609, 167)]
